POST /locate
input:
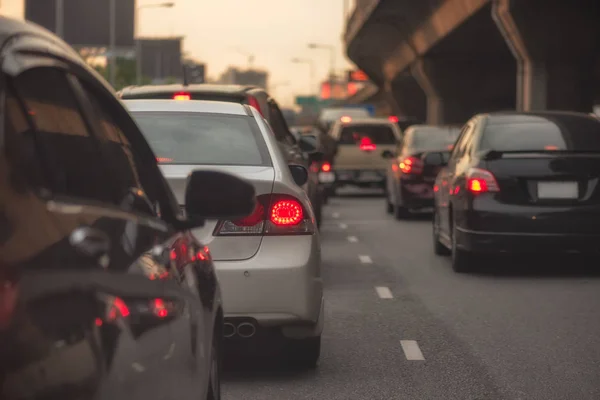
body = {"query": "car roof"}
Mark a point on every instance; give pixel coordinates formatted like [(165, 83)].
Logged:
[(504, 117), (367, 121), (205, 88), (198, 106)]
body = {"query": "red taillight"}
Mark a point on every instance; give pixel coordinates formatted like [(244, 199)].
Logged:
[(326, 167), (182, 96), (393, 119), (160, 308), (286, 212), (411, 165), (117, 309), (367, 145), (163, 159), (275, 214), (481, 181), (253, 102)]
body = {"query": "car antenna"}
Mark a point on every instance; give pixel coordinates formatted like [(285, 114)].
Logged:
[(185, 76)]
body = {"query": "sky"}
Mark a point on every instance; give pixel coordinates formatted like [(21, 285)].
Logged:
[(224, 32)]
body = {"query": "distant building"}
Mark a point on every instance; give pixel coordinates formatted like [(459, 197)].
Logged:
[(235, 76), (162, 59)]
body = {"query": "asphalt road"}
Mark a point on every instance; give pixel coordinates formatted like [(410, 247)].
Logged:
[(401, 325)]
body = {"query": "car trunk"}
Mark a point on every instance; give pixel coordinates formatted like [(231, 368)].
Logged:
[(223, 247), (562, 187), (359, 147)]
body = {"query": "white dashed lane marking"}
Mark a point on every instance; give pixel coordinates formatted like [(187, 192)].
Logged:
[(384, 292), (343, 226), (365, 259), (352, 239), (335, 215), (411, 349)]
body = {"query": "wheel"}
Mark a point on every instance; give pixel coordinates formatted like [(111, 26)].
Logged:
[(462, 261), (438, 247), (400, 212), (305, 353), (214, 389)]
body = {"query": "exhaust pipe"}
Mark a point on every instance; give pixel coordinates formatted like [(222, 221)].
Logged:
[(228, 329), (246, 330)]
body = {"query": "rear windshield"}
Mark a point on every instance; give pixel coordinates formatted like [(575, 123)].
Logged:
[(571, 133), (429, 139), (193, 96), (333, 114), (195, 138), (378, 134)]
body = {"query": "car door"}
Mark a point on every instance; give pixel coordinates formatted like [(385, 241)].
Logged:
[(190, 282)]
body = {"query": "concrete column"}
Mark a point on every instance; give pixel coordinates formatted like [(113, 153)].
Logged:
[(553, 43), (407, 97), (435, 103)]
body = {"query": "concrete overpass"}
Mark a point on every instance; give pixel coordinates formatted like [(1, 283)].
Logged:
[(444, 60)]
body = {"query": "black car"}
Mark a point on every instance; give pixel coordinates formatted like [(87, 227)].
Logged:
[(104, 293), (295, 151), (520, 183), (414, 166)]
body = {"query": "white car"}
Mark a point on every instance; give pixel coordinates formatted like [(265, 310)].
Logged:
[(269, 263)]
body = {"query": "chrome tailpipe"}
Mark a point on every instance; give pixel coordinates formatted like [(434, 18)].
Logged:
[(246, 330), (228, 330)]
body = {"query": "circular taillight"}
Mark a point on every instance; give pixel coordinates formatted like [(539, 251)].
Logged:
[(286, 212)]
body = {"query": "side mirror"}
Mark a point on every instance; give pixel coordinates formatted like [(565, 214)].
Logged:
[(308, 143), (299, 173), (217, 195), (387, 154), (436, 159)]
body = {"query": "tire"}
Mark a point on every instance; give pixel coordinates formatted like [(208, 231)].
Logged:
[(389, 207), (305, 353), (462, 261), (438, 248), (401, 212), (214, 388)]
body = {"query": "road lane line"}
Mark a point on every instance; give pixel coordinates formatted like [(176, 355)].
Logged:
[(352, 239), (384, 292), (411, 350), (365, 259), (335, 215), (343, 226)]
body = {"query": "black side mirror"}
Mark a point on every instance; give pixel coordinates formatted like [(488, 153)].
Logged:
[(316, 156), (299, 173), (387, 154), (436, 159), (217, 195), (308, 143)]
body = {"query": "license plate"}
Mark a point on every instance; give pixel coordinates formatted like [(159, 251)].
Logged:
[(558, 190), (369, 177), (326, 177)]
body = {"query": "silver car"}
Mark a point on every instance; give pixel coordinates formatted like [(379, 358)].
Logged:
[(269, 263)]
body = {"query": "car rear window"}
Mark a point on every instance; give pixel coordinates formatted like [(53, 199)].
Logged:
[(428, 139), (199, 138), (378, 134), (333, 114), (565, 132), (193, 96)]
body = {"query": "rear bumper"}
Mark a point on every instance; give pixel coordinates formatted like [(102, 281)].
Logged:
[(280, 286), (360, 177), (527, 243), (416, 195)]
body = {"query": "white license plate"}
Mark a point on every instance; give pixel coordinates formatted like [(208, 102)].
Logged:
[(558, 190), (326, 177), (369, 177)]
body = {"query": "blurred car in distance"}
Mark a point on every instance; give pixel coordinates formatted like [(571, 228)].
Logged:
[(268, 263), (329, 116), (520, 183), (359, 144), (100, 277), (410, 174), (294, 150)]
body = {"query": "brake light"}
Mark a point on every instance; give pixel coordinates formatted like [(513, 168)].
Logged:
[(160, 308), (326, 167), (118, 309), (393, 119), (367, 145), (163, 159), (253, 102), (481, 181), (182, 96), (551, 148), (275, 214), (411, 165), (346, 119)]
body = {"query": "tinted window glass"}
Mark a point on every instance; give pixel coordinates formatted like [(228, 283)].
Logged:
[(278, 124), (428, 139), (193, 138), (72, 159), (571, 133), (379, 134)]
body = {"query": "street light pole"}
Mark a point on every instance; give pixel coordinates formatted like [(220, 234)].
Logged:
[(59, 16), (113, 40)]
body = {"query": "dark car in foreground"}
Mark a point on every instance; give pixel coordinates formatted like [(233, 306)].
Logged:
[(295, 150), (520, 183), (104, 292), (414, 166)]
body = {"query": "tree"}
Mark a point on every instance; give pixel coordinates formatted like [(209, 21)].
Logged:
[(126, 73)]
